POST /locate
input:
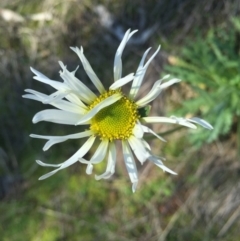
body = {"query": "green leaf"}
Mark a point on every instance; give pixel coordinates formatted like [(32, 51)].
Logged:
[(144, 111)]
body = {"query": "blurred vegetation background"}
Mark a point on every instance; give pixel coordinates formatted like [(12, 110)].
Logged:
[(200, 44)]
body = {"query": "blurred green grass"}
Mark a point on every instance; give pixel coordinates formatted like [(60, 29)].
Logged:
[(72, 205), (211, 66)]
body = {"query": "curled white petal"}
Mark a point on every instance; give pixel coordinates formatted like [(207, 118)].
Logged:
[(57, 85), (58, 103), (148, 130), (69, 107), (140, 73), (155, 91), (58, 95), (173, 120), (89, 169), (87, 67), (57, 116), (138, 130), (32, 97), (74, 98), (47, 99), (44, 79), (89, 115), (130, 165), (111, 163), (146, 145), (159, 163), (117, 68), (80, 153), (201, 122), (119, 83), (46, 164), (69, 77), (58, 139), (100, 153), (169, 83), (139, 149), (48, 175), (136, 84)]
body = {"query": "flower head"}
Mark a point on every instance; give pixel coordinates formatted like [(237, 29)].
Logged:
[(110, 115)]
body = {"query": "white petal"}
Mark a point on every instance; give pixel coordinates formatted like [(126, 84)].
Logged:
[(155, 91), (134, 186), (148, 130), (44, 79), (100, 153), (75, 99), (60, 104), (117, 68), (46, 164), (130, 164), (37, 73), (58, 95), (138, 130), (31, 97), (119, 83), (153, 56), (46, 99), (40, 95), (57, 116), (169, 83), (139, 149), (68, 106), (111, 163), (58, 139), (89, 115), (140, 73), (80, 153), (201, 122), (89, 169), (74, 83), (48, 175), (87, 67), (179, 121), (57, 85), (183, 121), (146, 145), (68, 94), (152, 94), (138, 77), (159, 163), (105, 175)]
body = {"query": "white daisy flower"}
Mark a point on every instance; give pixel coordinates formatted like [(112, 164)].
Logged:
[(110, 115)]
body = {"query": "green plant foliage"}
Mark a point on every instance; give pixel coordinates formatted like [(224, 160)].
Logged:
[(211, 65)]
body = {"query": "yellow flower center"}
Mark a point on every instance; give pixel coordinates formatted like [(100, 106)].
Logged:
[(115, 121)]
